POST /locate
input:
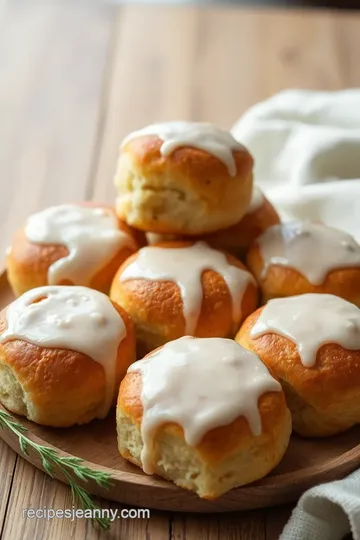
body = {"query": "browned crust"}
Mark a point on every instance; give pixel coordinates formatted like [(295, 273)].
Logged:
[(191, 176), (196, 166), (52, 375), (331, 384), (220, 442), (283, 281), (28, 263), (237, 239), (157, 305)]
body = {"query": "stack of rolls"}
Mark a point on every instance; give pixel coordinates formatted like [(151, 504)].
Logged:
[(189, 186), (259, 216), (184, 258)]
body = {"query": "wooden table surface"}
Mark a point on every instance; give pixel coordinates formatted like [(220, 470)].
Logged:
[(74, 78)]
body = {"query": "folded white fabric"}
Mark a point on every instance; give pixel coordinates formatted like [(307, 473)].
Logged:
[(306, 146), (327, 512)]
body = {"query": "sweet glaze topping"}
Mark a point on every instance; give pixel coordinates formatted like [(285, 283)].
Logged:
[(310, 321), (185, 266), (313, 249), (201, 135), (200, 384), (257, 200), (74, 318), (91, 235)]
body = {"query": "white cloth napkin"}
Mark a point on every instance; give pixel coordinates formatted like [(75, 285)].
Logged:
[(306, 146), (327, 512)]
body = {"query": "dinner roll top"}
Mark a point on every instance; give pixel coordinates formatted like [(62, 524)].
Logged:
[(63, 353), (311, 343), (70, 244), (300, 257), (204, 413), (183, 178), (178, 288)]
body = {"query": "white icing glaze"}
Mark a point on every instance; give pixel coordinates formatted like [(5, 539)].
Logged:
[(202, 135), (74, 318), (185, 266), (312, 249), (91, 235), (200, 384), (257, 200), (310, 321)]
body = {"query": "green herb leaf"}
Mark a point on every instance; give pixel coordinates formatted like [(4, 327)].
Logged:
[(70, 466)]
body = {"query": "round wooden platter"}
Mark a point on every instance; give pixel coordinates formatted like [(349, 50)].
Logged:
[(307, 462)]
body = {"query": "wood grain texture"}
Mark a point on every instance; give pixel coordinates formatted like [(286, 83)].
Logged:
[(74, 78), (212, 64), (306, 462), (52, 61), (33, 489), (153, 65), (8, 459), (239, 526)]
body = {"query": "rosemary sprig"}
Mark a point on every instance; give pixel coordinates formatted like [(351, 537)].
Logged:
[(69, 466)]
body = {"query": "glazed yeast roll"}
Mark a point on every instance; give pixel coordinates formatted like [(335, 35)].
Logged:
[(299, 257), (236, 240), (182, 178), (63, 352), (70, 244), (183, 288), (311, 343), (204, 413)]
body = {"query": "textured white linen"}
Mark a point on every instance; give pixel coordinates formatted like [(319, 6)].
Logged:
[(306, 146), (327, 512)]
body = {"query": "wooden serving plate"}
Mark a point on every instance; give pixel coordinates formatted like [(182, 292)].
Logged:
[(307, 462)]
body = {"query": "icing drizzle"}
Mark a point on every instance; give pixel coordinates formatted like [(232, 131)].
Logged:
[(310, 321), (202, 135), (184, 266), (200, 384), (312, 249), (74, 318), (91, 235)]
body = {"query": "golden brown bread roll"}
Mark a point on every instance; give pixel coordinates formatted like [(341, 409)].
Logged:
[(182, 288), (63, 365), (236, 239), (204, 413), (29, 262), (183, 178), (311, 343), (298, 257)]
